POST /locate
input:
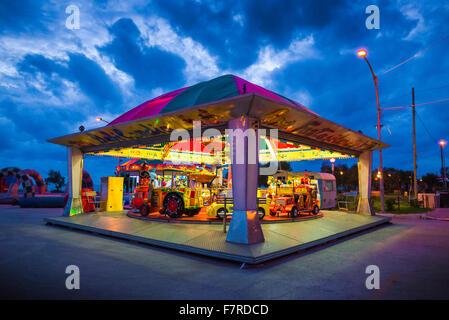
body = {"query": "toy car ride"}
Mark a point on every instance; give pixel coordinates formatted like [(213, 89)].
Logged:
[(224, 206), (303, 198)]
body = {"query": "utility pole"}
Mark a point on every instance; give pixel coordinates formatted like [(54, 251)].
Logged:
[(415, 167)]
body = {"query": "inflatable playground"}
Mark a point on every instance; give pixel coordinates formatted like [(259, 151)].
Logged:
[(27, 189)]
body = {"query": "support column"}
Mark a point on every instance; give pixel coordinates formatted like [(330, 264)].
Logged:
[(245, 225), (365, 163), (74, 182)]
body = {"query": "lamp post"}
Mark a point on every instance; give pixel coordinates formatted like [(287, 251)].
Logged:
[(362, 54), (332, 160), (442, 143), (101, 119)]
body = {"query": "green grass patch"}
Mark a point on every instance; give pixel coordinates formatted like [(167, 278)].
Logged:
[(396, 205)]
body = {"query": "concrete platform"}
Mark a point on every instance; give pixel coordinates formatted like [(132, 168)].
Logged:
[(280, 239)]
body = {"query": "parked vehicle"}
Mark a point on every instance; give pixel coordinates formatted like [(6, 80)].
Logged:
[(292, 207), (173, 201), (224, 206)]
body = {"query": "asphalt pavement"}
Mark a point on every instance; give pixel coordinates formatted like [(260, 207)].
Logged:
[(411, 254)]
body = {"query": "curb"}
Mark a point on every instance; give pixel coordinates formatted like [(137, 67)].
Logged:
[(426, 217), (403, 215)]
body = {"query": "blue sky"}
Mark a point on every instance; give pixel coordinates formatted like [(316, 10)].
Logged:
[(52, 79)]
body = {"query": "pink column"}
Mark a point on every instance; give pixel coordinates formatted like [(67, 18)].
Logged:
[(245, 226)]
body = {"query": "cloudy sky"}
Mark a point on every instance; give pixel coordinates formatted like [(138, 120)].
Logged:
[(53, 79)]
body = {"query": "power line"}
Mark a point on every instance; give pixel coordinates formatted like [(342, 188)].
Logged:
[(416, 55), (425, 127), (435, 88), (442, 100), (394, 108), (418, 104), (419, 90)]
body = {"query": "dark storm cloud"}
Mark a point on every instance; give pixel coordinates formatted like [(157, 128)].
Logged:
[(279, 21), (211, 23), (91, 78), (150, 67), (25, 131), (271, 22), (94, 81), (37, 121), (22, 16), (33, 63)]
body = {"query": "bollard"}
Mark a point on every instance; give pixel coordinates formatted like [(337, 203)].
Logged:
[(225, 216)]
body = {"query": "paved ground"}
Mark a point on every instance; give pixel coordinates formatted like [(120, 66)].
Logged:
[(209, 239), (439, 213), (412, 255)]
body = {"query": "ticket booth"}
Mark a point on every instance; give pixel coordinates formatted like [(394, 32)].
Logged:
[(111, 198)]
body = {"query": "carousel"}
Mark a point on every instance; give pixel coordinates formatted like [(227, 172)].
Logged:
[(201, 150)]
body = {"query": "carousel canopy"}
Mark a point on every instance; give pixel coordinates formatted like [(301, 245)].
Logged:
[(220, 88), (144, 131)]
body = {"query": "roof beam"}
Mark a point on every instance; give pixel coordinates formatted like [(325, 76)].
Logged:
[(313, 143), (145, 141)]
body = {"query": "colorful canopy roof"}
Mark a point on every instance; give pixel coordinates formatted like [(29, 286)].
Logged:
[(215, 103), (220, 88)]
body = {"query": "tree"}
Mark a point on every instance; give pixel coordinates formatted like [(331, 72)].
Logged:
[(431, 182), (346, 178), (326, 168), (56, 178)]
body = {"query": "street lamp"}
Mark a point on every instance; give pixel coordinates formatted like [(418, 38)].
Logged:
[(442, 143), (332, 160), (362, 54), (101, 119)]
